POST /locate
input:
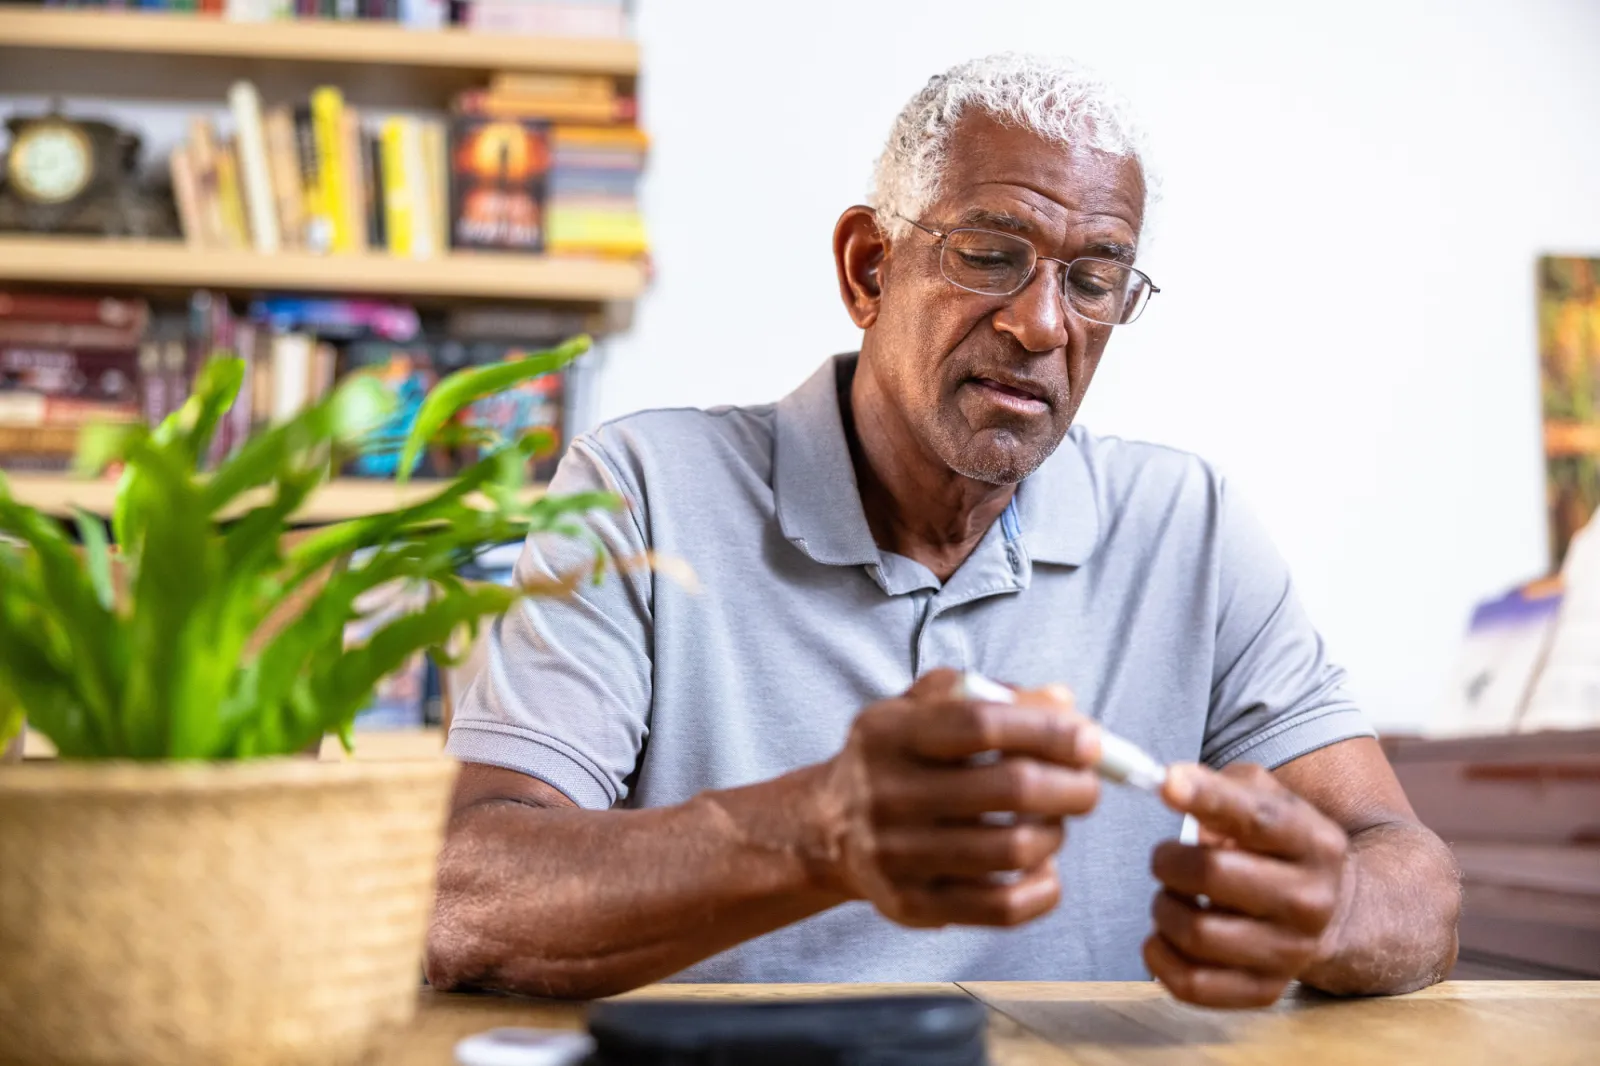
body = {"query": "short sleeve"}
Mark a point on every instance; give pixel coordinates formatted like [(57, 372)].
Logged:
[(1275, 695), (565, 689)]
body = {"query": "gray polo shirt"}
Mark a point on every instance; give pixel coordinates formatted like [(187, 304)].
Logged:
[(1127, 571)]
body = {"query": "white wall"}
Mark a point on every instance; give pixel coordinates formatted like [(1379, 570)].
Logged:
[(1355, 195)]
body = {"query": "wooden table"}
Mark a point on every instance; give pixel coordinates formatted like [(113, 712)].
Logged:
[(1461, 1023)]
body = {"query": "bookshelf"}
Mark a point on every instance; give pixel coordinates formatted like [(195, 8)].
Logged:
[(342, 498), (153, 266), (311, 41)]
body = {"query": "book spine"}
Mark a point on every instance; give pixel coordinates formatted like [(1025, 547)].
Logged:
[(131, 315), (318, 220), (68, 335), (291, 374), (231, 194), (259, 201), (398, 203), (186, 193), (327, 119), (152, 384), (203, 155), (262, 395), (283, 166), (436, 162), (241, 414), (352, 160), (372, 173), (423, 228)]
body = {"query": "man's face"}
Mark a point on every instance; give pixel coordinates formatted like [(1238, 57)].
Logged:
[(990, 384)]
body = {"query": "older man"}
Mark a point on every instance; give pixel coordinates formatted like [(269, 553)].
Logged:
[(772, 779)]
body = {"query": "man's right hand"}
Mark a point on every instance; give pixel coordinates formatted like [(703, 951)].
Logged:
[(949, 811)]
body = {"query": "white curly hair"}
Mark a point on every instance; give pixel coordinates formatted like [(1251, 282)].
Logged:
[(1054, 97)]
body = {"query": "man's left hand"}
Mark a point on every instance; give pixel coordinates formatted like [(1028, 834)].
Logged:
[(1246, 910)]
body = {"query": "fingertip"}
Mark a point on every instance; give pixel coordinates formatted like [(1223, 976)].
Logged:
[(1086, 743), (1181, 785), (1061, 694)]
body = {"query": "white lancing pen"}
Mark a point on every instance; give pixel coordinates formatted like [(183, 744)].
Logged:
[(1121, 761)]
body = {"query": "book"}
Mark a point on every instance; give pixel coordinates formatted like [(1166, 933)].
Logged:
[(291, 357), (622, 109), (407, 372), (554, 86), (424, 228), (318, 214), (110, 376), (353, 161), (436, 163), (186, 195), (130, 315), (203, 151), (497, 180), (327, 120), (153, 403), (67, 335), (337, 319), (534, 404), (372, 190), (399, 204), (283, 166), (230, 194), (260, 202)]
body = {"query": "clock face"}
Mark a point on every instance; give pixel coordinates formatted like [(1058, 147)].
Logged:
[(50, 163)]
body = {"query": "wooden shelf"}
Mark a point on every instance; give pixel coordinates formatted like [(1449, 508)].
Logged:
[(311, 41), (162, 265), (58, 494)]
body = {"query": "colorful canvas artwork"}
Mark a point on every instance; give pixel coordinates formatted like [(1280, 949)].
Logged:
[(1569, 366)]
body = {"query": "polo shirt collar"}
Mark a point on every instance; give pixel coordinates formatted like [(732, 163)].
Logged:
[(1057, 508), (813, 479), (819, 503)]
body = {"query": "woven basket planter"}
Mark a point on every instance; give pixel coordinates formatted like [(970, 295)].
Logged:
[(256, 912)]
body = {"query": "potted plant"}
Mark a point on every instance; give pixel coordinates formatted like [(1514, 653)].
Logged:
[(182, 884)]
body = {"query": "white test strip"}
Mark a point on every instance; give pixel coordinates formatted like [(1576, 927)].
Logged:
[(1121, 760)]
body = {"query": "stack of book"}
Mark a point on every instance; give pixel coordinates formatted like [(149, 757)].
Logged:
[(312, 178), (65, 362), (548, 162), (69, 360), (594, 201), (557, 18)]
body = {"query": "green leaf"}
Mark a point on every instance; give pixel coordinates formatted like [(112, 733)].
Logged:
[(97, 555), (463, 387), (216, 386)]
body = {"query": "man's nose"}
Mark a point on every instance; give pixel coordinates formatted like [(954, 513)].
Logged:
[(1036, 315)]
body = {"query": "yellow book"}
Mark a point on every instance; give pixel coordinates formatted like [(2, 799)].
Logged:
[(398, 217), (327, 123), (436, 163), (232, 196)]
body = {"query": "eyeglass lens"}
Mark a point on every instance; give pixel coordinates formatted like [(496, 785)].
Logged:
[(998, 264)]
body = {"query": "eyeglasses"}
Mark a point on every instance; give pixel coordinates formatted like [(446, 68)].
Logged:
[(993, 263)]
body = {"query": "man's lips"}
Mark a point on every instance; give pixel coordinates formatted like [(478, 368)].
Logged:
[(1016, 395)]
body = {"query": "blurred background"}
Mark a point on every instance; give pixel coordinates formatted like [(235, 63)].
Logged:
[(1377, 238)]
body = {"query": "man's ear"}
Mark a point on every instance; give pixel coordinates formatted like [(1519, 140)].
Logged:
[(858, 254)]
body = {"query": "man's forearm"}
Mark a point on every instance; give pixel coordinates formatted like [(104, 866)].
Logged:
[(1395, 930), (557, 901)]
